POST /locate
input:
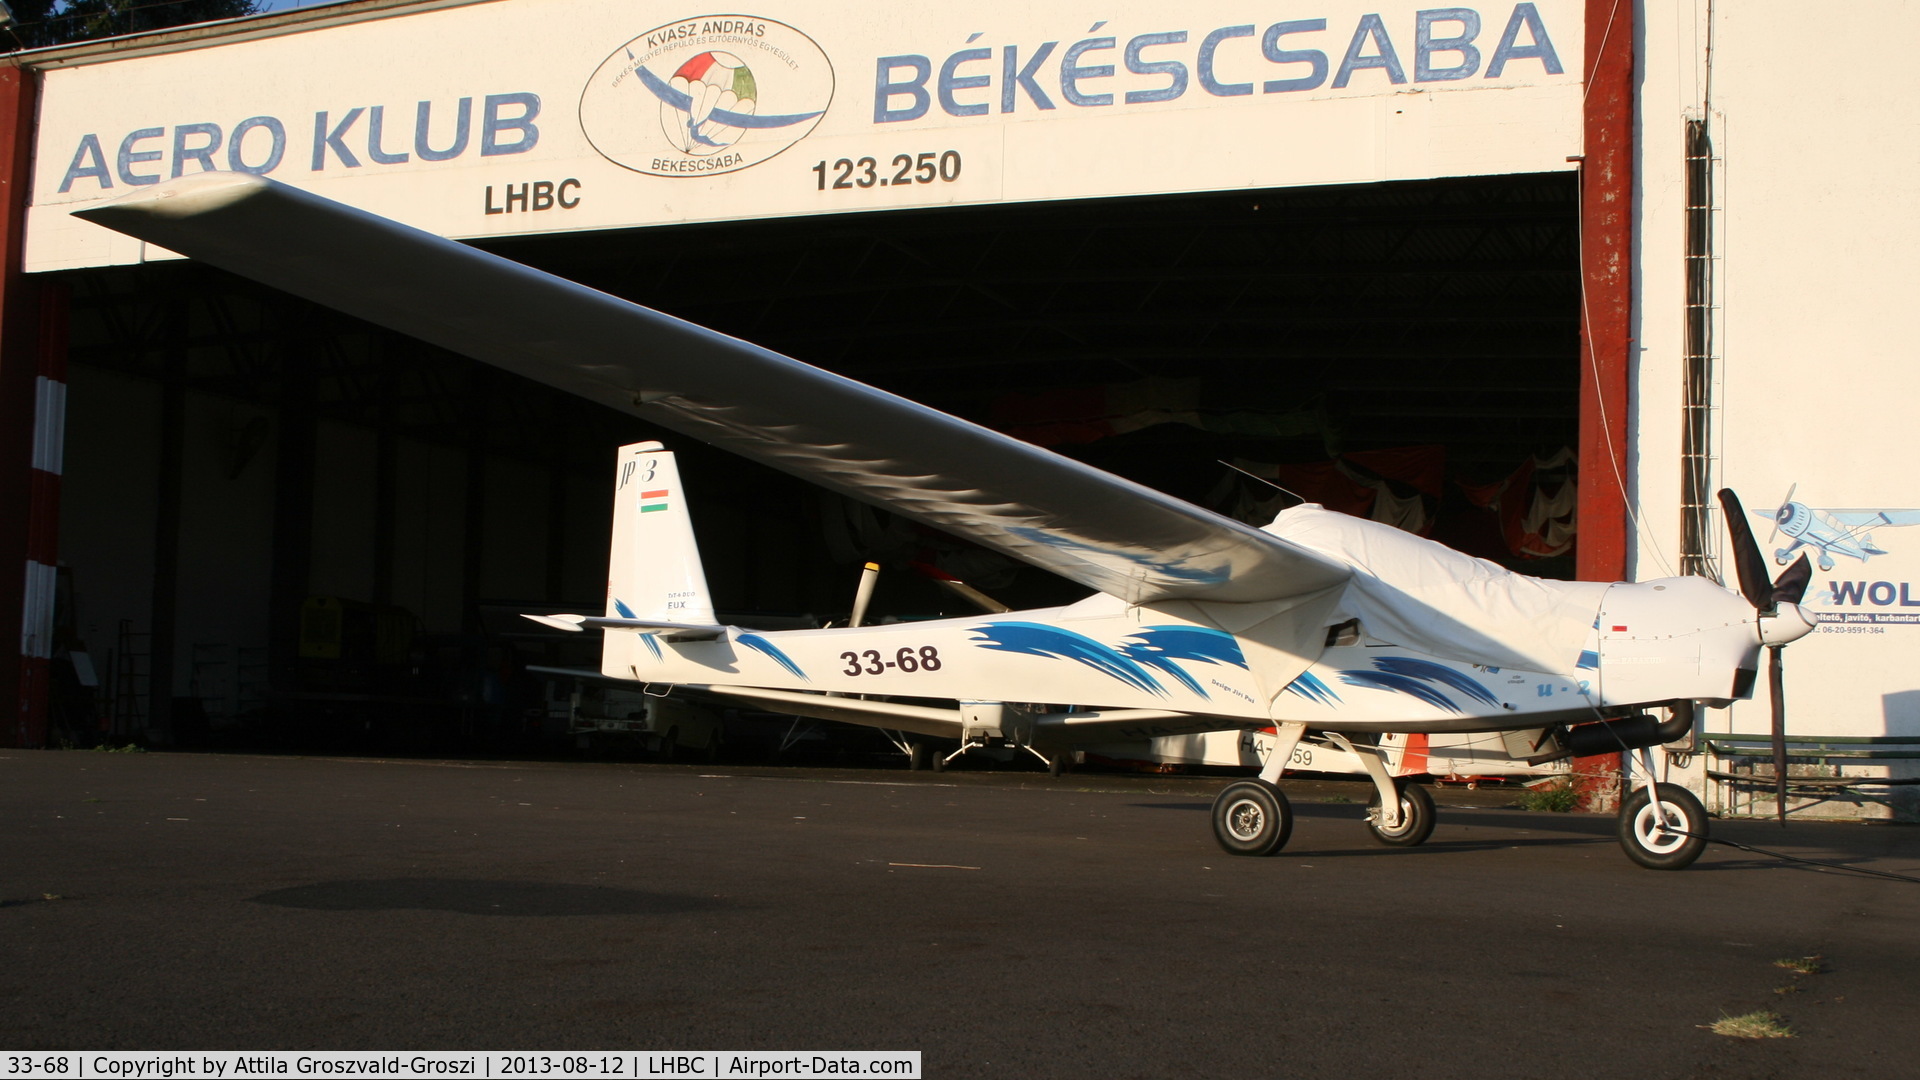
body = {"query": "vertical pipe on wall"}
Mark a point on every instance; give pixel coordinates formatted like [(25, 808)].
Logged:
[(1606, 319), (1696, 409)]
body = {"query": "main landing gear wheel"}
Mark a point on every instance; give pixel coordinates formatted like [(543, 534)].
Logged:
[(1644, 834), (1416, 817), (1252, 818)]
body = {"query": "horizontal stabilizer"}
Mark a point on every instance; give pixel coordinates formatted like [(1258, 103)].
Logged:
[(918, 719), (582, 674), (666, 631)]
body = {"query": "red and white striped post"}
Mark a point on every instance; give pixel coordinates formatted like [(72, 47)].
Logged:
[(32, 416), (43, 516)]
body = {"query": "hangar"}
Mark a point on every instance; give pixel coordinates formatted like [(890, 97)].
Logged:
[(1390, 252)]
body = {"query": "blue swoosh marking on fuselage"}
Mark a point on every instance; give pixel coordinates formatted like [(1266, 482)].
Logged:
[(1589, 660), (1309, 686), (1160, 646), (653, 644), (620, 606), (1037, 639), (767, 648), (1401, 684), (1428, 671)]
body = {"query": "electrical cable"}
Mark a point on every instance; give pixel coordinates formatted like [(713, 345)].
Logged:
[(1784, 857)]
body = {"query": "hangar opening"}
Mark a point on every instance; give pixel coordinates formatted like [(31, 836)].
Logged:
[(285, 527)]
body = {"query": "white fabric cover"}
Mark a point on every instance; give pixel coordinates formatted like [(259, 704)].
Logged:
[(1426, 596)]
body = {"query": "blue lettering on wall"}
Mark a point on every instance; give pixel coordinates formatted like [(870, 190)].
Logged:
[(1384, 58), (376, 120), (276, 148), (1848, 592), (1174, 70), (950, 81), (914, 89), (1315, 60), (1010, 79), (1157, 67), (129, 157), (1425, 44), (1524, 16), (1072, 71), (88, 160), (423, 123), (1208, 46), (352, 139), (336, 139), (182, 153), (493, 124)]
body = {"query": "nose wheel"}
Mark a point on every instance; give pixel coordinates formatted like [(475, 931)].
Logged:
[(1667, 837), (1416, 817)]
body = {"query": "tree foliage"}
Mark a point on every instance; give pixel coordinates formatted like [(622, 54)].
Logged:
[(58, 22)]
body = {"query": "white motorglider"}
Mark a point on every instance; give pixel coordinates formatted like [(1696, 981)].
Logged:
[(1322, 626)]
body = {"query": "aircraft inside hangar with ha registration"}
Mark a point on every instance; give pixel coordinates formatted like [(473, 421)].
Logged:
[(1324, 627)]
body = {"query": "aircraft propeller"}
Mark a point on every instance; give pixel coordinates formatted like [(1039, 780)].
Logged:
[(1767, 594), (1778, 516)]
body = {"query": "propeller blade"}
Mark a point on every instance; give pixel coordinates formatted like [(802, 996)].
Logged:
[(863, 595), (1777, 692), (1792, 583), (1784, 503), (1755, 584)]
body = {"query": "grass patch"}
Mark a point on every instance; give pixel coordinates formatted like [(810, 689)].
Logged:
[(1336, 799), (1557, 797), (130, 748), (1759, 1024), (1802, 965)]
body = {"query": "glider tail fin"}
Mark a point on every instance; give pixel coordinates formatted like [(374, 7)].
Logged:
[(654, 571)]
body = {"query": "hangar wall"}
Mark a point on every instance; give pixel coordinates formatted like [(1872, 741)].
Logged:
[(1812, 251), (981, 106), (589, 124)]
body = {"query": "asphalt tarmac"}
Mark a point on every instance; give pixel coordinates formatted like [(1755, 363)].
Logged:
[(1004, 924)]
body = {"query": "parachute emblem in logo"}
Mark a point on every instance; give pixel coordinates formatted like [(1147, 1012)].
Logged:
[(741, 90)]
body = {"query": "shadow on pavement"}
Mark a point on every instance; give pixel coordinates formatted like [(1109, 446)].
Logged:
[(514, 898)]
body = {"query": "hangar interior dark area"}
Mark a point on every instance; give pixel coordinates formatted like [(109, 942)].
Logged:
[(280, 522)]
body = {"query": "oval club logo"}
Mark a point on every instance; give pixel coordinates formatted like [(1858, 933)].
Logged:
[(708, 95)]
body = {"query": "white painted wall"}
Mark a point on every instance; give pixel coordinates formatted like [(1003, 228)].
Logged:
[(1819, 244)]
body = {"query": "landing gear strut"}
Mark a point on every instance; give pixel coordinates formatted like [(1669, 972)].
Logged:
[(1252, 817)]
